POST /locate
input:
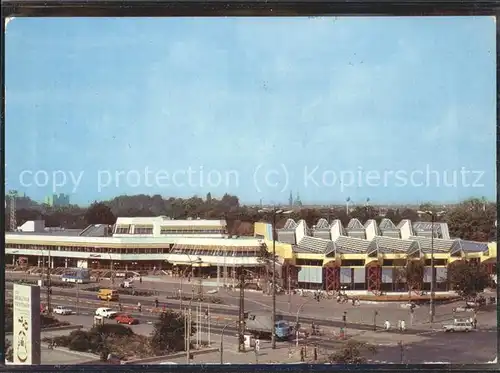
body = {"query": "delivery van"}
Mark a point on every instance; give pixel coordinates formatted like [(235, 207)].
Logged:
[(107, 294)]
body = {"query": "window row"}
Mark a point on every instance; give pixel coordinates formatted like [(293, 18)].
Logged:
[(191, 231), (216, 252), (97, 250)]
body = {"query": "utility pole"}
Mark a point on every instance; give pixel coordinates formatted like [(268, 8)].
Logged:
[(289, 290), (241, 328), (200, 280), (208, 322), (188, 337), (401, 351), (49, 288), (77, 298), (433, 216), (273, 335)]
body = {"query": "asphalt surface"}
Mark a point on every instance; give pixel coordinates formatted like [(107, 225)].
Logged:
[(87, 300), (420, 344)]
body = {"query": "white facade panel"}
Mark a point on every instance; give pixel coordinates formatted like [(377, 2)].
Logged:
[(311, 275), (441, 274), (173, 258), (359, 275), (102, 241), (387, 275), (427, 274), (345, 275)]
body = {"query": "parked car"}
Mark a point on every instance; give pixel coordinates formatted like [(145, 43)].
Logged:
[(126, 319), (460, 326), (105, 312), (62, 310)]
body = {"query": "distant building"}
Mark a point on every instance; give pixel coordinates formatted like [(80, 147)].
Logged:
[(61, 200)]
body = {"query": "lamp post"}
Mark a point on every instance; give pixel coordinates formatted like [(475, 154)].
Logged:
[(222, 341), (297, 320), (274, 212), (433, 216)]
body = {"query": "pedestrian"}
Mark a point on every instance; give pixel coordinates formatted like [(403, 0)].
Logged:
[(302, 354), (399, 325), (315, 353), (139, 307), (120, 307), (164, 308), (387, 325), (140, 279), (403, 325), (474, 323)]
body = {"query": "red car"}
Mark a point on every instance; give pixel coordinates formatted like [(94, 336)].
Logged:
[(126, 319)]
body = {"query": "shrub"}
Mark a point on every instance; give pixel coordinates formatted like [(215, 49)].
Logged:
[(168, 333), (79, 342)]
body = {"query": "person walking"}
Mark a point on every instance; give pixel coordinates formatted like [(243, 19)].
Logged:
[(403, 325), (387, 325)]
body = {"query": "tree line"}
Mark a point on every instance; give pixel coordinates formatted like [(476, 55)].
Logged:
[(473, 219)]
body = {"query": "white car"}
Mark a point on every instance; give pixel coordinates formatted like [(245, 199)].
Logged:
[(460, 326), (108, 313), (62, 310)]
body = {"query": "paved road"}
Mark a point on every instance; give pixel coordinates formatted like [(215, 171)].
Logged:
[(326, 309), (457, 348), (88, 302)]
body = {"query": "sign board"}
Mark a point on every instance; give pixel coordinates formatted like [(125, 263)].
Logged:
[(26, 325), (257, 345)]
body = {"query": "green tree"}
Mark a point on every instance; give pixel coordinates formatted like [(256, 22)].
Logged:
[(353, 352), (473, 219), (169, 332), (100, 213), (413, 273), (468, 278)]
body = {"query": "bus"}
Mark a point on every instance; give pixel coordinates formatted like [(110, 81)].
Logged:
[(76, 275)]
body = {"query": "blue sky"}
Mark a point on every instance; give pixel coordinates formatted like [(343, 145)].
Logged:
[(392, 109)]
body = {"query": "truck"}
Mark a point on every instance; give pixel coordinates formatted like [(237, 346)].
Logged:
[(260, 326)]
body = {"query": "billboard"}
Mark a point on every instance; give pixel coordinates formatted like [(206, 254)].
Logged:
[(26, 330)]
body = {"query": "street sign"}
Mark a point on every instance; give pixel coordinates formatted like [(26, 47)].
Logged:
[(257, 345)]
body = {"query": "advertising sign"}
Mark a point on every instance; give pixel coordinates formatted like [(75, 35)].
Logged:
[(26, 330)]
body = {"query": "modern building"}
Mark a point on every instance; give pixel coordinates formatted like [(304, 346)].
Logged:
[(54, 200), (139, 244), (327, 256), (368, 256)]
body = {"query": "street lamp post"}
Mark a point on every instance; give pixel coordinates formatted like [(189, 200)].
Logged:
[(297, 321), (433, 216), (275, 212), (222, 341)]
